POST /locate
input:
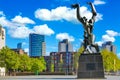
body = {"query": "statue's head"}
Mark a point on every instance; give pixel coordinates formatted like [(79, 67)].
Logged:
[(84, 18)]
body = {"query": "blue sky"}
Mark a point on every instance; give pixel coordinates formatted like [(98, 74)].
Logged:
[(57, 20)]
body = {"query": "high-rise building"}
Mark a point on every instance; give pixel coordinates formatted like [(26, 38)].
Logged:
[(109, 46), (43, 49), (19, 46), (2, 37), (65, 46), (19, 49), (37, 46)]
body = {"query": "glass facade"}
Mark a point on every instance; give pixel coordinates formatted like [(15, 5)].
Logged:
[(19, 46), (35, 45)]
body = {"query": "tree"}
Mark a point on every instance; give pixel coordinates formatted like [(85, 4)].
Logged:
[(43, 65), (38, 64), (110, 61), (10, 58), (25, 62), (76, 57), (13, 61)]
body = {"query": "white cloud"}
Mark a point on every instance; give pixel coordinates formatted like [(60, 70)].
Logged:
[(64, 13), (99, 17), (5, 23), (20, 32), (9, 24), (17, 27), (43, 29), (15, 30), (23, 20), (109, 36), (85, 12), (23, 31), (112, 33), (62, 36), (99, 2), (99, 43), (60, 13)]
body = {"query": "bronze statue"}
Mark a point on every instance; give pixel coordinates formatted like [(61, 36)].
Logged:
[(88, 28)]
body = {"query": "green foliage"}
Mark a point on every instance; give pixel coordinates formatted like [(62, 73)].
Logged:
[(76, 57), (52, 68), (110, 61), (14, 61), (38, 64), (10, 58), (25, 62), (61, 65), (43, 63)]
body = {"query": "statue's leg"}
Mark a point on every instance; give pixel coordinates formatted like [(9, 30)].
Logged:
[(92, 38), (85, 43), (89, 49), (89, 36), (85, 39), (96, 47)]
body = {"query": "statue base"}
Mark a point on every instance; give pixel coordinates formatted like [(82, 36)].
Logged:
[(90, 66)]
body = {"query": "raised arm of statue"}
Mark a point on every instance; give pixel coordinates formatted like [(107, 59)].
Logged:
[(94, 13), (78, 13)]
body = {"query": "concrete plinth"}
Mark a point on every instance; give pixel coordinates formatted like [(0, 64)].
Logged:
[(90, 66)]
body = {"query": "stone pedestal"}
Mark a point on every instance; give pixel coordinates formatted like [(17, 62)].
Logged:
[(90, 66)]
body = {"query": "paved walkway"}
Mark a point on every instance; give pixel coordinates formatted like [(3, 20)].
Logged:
[(53, 77)]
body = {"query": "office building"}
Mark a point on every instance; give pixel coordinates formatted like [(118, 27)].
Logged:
[(65, 46), (19, 46), (109, 46), (2, 37), (43, 49), (65, 50), (37, 46), (19, 49)]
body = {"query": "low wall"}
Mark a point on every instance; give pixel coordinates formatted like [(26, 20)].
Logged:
[(41, 73)]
